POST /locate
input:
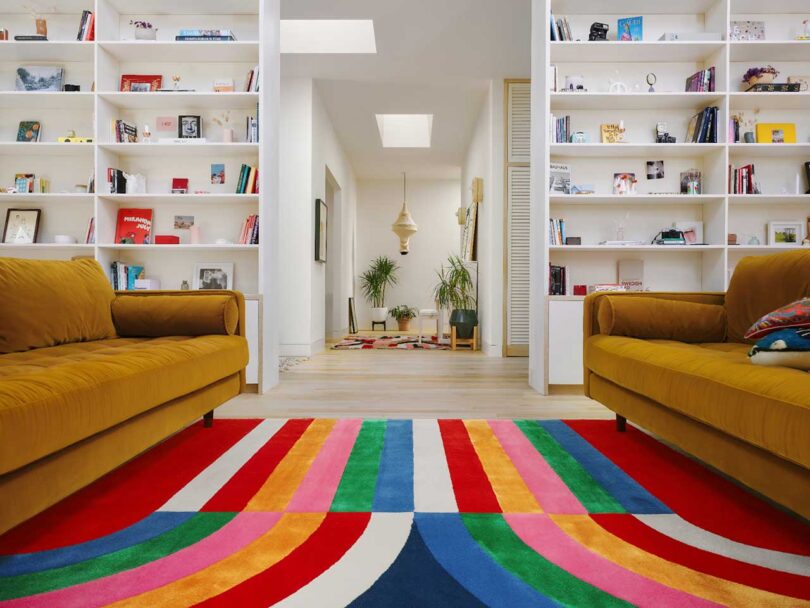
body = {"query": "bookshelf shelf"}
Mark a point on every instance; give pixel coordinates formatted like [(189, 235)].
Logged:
[(637, 248), (769, 101), (45, 148), (769, 150), (182, 51), (639, 199), (207, 101), (632, 101), (44, 101), (630, 150), (69, 51), (612, 51), (182, 150), (179, 199)]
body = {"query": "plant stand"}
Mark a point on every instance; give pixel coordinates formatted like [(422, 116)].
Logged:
[(471, 342), (376, 323)]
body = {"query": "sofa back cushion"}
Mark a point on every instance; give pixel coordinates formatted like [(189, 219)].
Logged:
[(49, 302), (761, 285)]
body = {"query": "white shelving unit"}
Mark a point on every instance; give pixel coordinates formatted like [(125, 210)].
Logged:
[(595, 218), (97, 66)]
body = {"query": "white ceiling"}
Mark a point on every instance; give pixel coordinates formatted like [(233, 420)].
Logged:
[(433, 57)]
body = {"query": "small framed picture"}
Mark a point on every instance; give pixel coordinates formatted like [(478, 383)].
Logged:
[(655, 169), (39, 78), (321, 226), (29, 130), (786, 233), (218, 173), (141, 83), (213, 275), (183, 222), (22, 226), (189, 127)]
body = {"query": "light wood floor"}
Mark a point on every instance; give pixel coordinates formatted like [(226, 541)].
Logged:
[(408, 384)]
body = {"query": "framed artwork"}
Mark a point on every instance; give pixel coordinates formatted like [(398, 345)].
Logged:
[(469, 234), (776, 133), (747, 30), (22, 226), (692, 231), (213, 275), (141, 83), (321, 226), (189, 127), (39, 78), (29, 130), (785, 234)]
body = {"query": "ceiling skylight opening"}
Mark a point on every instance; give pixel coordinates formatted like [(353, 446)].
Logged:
[(405, 130), (328, 36)]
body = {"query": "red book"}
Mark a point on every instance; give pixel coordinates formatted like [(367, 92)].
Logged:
[(134, 227)]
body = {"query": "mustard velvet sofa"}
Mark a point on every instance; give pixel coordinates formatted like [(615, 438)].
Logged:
[(90, 378), (676, 364)]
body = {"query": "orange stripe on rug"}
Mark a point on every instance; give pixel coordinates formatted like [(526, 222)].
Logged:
[(512, 492), (288, 534), (280, 487)]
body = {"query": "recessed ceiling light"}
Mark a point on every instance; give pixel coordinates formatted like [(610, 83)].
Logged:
[(328, 36), (405, 130)]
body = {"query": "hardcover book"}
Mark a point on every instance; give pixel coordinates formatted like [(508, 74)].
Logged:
[(631, 28), (134, 227)]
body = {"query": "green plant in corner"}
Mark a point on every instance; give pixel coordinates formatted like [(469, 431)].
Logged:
[(381, 274), (456, 290)]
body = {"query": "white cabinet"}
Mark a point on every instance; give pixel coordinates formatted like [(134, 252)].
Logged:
[(565, 319)]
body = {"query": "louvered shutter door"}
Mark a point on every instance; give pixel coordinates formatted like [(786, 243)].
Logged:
[(520, 110)]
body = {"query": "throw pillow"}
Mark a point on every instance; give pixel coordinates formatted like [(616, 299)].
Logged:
[(786, 348), (793, 315)]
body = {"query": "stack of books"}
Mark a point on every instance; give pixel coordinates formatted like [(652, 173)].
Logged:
[(557, 280), (250, 231), (248, 182), (561, 129), (252, 85), (124, 133), (703, 127), (743, 180), (197, 35), (124, 275), (556, 232), (703, 81), (87, 27), (560, 29), (116, 182)]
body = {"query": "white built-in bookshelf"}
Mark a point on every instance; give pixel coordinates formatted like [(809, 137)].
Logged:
[(596, 217), (97, 66)]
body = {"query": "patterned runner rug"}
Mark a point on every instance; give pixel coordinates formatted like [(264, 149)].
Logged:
[(386, 342)]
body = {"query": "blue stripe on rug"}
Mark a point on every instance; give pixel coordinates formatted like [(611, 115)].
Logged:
[(395, 476), (626, 490), (466, 561), (150, 527)]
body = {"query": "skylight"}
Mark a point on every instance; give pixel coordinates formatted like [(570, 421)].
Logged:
[(405, 130), (328, 36)]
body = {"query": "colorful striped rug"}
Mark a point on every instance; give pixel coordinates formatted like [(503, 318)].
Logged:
[(408, 513)]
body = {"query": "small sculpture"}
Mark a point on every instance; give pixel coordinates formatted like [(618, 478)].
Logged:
[(651, 80), (147, 135)]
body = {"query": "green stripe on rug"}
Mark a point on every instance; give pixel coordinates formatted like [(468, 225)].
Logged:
[(589, 492), (192, 531), (359, 482), (493, 533)]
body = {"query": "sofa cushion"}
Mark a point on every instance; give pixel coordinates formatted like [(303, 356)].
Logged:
[(762, 284), (715, 384), (793, 316), (53, 397), (49, 302), (173, 315)]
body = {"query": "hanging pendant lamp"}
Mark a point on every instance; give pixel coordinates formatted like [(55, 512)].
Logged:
[(404, 227)]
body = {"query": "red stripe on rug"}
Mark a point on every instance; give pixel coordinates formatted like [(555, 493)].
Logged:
[(240, 488), (129, 493), (637, 533), (336, 535), (694, 492), (474, 493)]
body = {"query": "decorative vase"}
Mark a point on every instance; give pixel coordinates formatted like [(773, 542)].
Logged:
[(142, 33), (404, 324), (379, 315), (464, 321), (227, 136)]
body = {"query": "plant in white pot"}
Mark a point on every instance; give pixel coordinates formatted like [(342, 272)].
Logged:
[(144, 30), (403, 314), (381, 274)]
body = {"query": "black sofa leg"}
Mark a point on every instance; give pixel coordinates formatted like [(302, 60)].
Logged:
[(621, 423), (208, 419)]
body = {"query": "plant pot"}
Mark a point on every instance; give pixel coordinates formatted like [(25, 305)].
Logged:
[(379, 315), (464, 321), (766, 78), (404, 324), (142, 33)]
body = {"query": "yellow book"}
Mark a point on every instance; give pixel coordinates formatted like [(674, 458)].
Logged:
[(776, 133)]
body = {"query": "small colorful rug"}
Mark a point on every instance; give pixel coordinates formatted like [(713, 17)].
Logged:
[(388, 342), (408, 513)]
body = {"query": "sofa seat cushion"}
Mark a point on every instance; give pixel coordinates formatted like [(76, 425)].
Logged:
[(53, 397), (715, 384)]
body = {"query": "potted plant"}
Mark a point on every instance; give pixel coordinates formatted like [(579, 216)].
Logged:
[(144, 30), (373, 282), (455, 290), (403, 314), (756, 76)]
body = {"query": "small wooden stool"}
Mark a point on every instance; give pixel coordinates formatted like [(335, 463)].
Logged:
[(471, 342), (375, 323)]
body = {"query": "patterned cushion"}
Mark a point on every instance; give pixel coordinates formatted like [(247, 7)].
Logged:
[(793, 315), (786, 348)]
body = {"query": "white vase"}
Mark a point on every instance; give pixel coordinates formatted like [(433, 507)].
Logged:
[(379, 315), (227, 136), (142, 33)]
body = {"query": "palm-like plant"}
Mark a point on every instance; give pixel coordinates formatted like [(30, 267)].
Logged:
[(380, 275), (455, 288)]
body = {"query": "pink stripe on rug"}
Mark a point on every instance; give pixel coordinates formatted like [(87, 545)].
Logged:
[(544, 536), (242, 530), (316, 492), (549, 490)]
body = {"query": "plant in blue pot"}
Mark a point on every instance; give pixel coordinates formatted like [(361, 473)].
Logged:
[(456, 291)]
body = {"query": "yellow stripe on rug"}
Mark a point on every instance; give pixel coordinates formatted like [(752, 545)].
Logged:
[(280, 487), (292, 530), (512, 492)]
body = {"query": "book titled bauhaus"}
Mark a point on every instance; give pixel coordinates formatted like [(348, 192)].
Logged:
[(134, 227)]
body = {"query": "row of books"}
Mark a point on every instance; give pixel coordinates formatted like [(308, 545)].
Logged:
[(87, 27), (252, 85), (703, 127), (250, 231), (116, 181), (195, 35), (251, 130), (704, 81), (248, 182), (123, 275), (743, 180), (557, 280), (560, 129), (556, 232), (124, 132), (560, 29)]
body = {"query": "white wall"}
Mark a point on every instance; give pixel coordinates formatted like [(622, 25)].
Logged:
[(432, 204)]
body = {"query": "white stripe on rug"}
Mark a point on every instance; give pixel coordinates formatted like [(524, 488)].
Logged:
[(202, 488), (432, 487), (678, 528), (359, 568)]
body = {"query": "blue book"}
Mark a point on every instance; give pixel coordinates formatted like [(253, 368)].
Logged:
[(631, 28)]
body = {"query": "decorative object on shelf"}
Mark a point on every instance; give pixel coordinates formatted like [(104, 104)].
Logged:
[(403, 315), (760, 75), (189, 127), (630, 29), (598, 31), (776, 133), (136, 183), (3, 35), (29, 131), (662, 135), (612, 133), (559, 179), (381, 274), (133, 227), (24, 182), (224, 121), (580, 137), (321, 230), (754, 241), (39, 78), (22, 226), (573, 240), (213, 275), (80, 188), (184, 286), (692, 231), (786, 233), (167, 239), (179, 185), (691, 37), (691, 182), (802, 81), (183, 222), (224, 85), (776, 87), (404, 226), (72, 138), (147, 135), (624, 184), (655, 169), (218, 173), (582, 189), (42, 26), (195, 235), (617, 86), (140, 83), (747, 30), (87, 27), (144, 30), (651, 80), (805, 34), (669, 237), (580, 290), (575, 83), (71, 88), (732, 239)]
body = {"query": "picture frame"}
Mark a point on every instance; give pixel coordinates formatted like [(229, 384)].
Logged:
[(29, 131), (40, 78), (776, 133), (321, 229), (140, 83), (21, 226), (210, 276), (786, 233), (692, 231), (189, 126)]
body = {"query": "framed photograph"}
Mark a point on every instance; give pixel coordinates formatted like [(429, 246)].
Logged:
[(189, 127), (692, 231), (213, 275), (631, 29), (29, 130), (785, 234), (321, 226), (22, 226), (39, 78), (747, 30), (218, 173), (140, 83), (655, 169), (624, 183), (183, 222)]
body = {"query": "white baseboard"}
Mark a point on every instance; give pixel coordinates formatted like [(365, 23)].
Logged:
[(318, 346), (295, 350), (492, 350)]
